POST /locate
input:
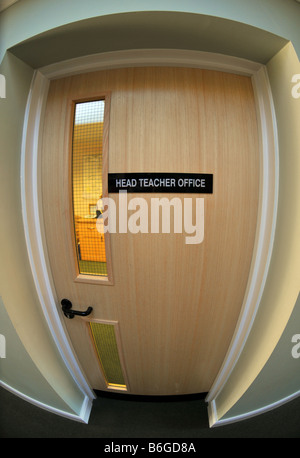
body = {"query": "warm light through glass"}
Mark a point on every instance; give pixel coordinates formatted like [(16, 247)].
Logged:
[(87, 187)]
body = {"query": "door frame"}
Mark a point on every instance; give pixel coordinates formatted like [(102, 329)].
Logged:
[(32, 211)]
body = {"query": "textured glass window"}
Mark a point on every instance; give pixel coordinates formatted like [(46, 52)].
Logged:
[(87, 187), (107, 349)]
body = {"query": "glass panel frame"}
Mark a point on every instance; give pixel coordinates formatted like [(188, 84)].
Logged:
[(109, 353), (92, 264)]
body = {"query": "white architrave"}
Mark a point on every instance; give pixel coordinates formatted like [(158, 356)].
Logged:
[(32, 210)]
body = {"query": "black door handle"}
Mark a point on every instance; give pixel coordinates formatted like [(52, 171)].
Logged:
[(69, 313)]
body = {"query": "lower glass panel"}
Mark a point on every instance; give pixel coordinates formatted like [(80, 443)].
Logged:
[(107, 349)]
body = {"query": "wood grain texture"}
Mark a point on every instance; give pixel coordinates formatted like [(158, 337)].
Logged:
[(176, 304)]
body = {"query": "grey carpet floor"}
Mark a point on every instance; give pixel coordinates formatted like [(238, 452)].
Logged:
[(117, 418)]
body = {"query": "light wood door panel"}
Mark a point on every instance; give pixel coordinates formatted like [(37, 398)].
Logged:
[(176, 304)]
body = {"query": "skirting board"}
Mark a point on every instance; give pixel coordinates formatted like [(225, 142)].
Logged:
[(213, 416), (83, 417)]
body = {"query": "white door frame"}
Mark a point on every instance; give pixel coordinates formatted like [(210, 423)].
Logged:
[(31, 190)]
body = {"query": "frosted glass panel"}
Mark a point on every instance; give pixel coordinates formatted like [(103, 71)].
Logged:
[(107, 349)]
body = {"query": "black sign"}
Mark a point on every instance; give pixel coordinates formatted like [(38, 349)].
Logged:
[(197, 183)]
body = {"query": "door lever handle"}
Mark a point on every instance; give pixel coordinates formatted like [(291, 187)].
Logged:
[(70, 313)]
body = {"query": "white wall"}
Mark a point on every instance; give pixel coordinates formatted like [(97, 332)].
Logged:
[(17, 290)]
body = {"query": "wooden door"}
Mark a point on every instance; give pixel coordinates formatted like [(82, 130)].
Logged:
[(170, 307)]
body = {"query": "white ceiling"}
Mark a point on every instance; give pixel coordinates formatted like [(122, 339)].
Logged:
[(6, 3)]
